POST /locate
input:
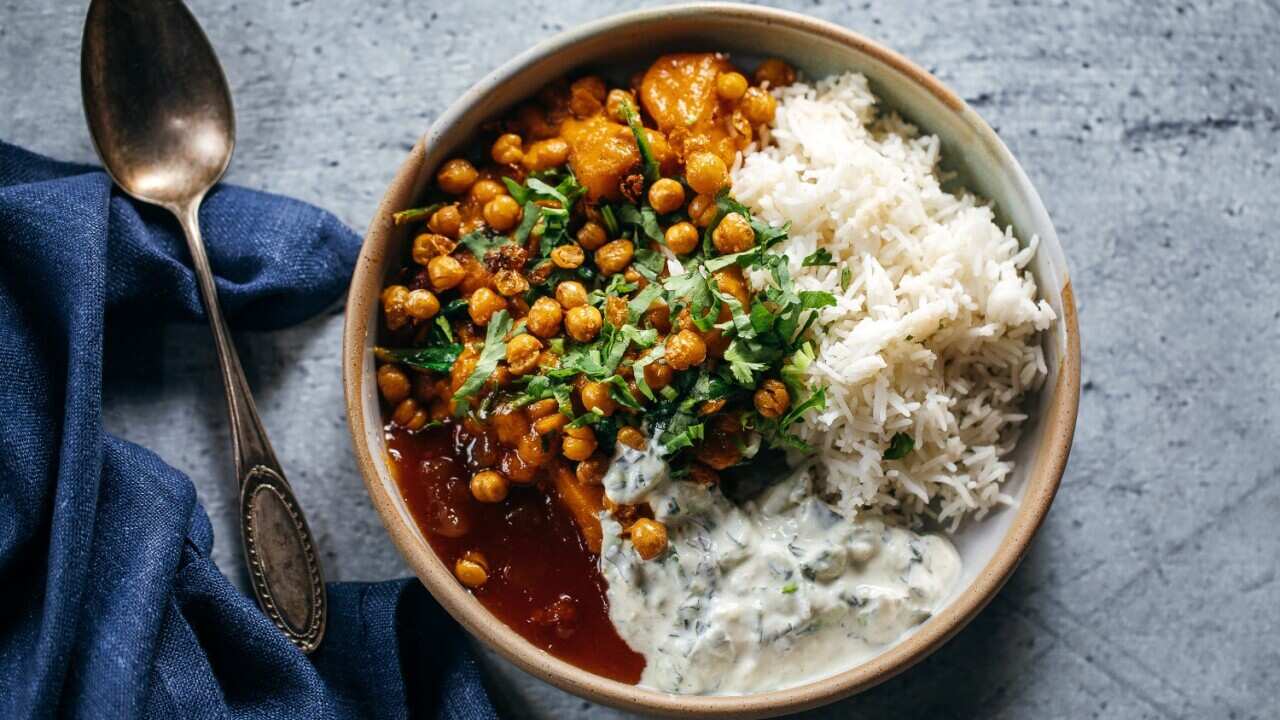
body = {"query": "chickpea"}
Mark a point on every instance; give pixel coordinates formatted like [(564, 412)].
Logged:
[(546, 154), (706, 173), (774, 72), (571, 294), (591, 471), (474, 274), (409, 415), (633, 276), (507, 150), (445, 272), (659, 317), (486, 189), (702, 210), (542, 408), (649, 537), (579, 443), (483, 304), (393, 384), (731, 281), (685, 349), (711, 407), (582, 323), (597, 396), (682, 238), (510, 283), (658, 374), (502, 213), (730, 86), (666, 196), (394, 300), (421, 305), (462, 368), (586, 96), (616, 311), (592, 85), (429, 245), (516, 469), (568, 257), (733, 234), (445, 221), (720, 447), (631, 437), (554, 422), (544, 318), (592, 235), (614, 257), (522, 353), (534, 449), (772, 399), (425, 388), (758, 106), (510, 424), (456, 176), (741, 128), (614, 102), (489, 487), (472, 569)]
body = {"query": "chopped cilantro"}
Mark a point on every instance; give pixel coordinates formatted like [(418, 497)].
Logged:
[(407, 216), (899, 445), (818, 258), (790, 588), (438, 358), (495, 348), (642, 142)]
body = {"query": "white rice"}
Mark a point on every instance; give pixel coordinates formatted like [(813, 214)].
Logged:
[(936, 333)]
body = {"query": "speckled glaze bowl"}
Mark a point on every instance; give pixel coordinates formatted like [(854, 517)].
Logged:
[(990, 549)]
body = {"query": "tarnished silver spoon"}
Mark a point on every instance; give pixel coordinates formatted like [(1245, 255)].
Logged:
[(159, 110)]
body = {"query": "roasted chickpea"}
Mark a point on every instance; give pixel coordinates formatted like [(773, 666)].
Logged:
[(702, 210), (489, 486), (649, 537), (542, 408), (535, 449), (472, 569), (614, 257), (721, 445), (409, 415), (579, 443), (445, 221), (510, 424), (774, 72), (733, 234), (616, 311), (425, 388), (758, 105), (571, 294), (666, 196), (731, 281), (510, 283), (772, 399), (703, 475), (659, 317), (445, 272), (586, 96), (522, 354), (456, 176), (568, 257), (546, 154), (731, 85), (421, 305), (682, 238), (591, 471), (597, 396), (474, 274), (502, 213), (462, 367), (486, 189), (429, 245), (393, 384), (394, 301), (516, 469), (706, 173), (551, 423), (592, 85), (483, 304), (583, 323), (658, 374), (633, 276), (711, 407), (614, 102), (507, 149), (632, 437), (544, 317), (685, 349), (592, 235)]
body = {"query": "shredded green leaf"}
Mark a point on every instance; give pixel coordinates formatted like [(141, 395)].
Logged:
[(407, 216), (438, 358), (899, 446), (646, 153), (494, 350)]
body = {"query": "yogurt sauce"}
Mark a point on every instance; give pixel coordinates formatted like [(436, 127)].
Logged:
[(768, 595)]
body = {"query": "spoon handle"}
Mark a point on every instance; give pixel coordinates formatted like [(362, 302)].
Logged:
[(278, 546)]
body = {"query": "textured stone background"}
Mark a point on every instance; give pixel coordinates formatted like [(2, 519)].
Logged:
[(1153, 135)]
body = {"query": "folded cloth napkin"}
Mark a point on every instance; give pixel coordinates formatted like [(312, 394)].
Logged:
[(110, 605)]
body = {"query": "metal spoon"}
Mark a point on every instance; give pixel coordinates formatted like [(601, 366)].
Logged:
[(160, 114)]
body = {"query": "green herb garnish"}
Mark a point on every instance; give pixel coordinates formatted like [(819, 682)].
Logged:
[(899, 445), (818, 258), (495, 349), (642, 141), (407, 216), (438, 358), (790, 588)]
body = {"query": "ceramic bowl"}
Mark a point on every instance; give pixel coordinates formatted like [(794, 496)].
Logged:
[(991, 549)]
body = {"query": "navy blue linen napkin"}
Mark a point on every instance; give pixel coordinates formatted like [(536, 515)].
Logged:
[(110, 605)]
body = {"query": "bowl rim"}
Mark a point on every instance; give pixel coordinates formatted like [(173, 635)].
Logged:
[(1058, 416)]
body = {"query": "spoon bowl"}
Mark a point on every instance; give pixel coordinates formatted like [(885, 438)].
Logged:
[(165, 128)]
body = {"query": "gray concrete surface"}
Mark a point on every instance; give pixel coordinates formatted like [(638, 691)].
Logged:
[(1153, 134)]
